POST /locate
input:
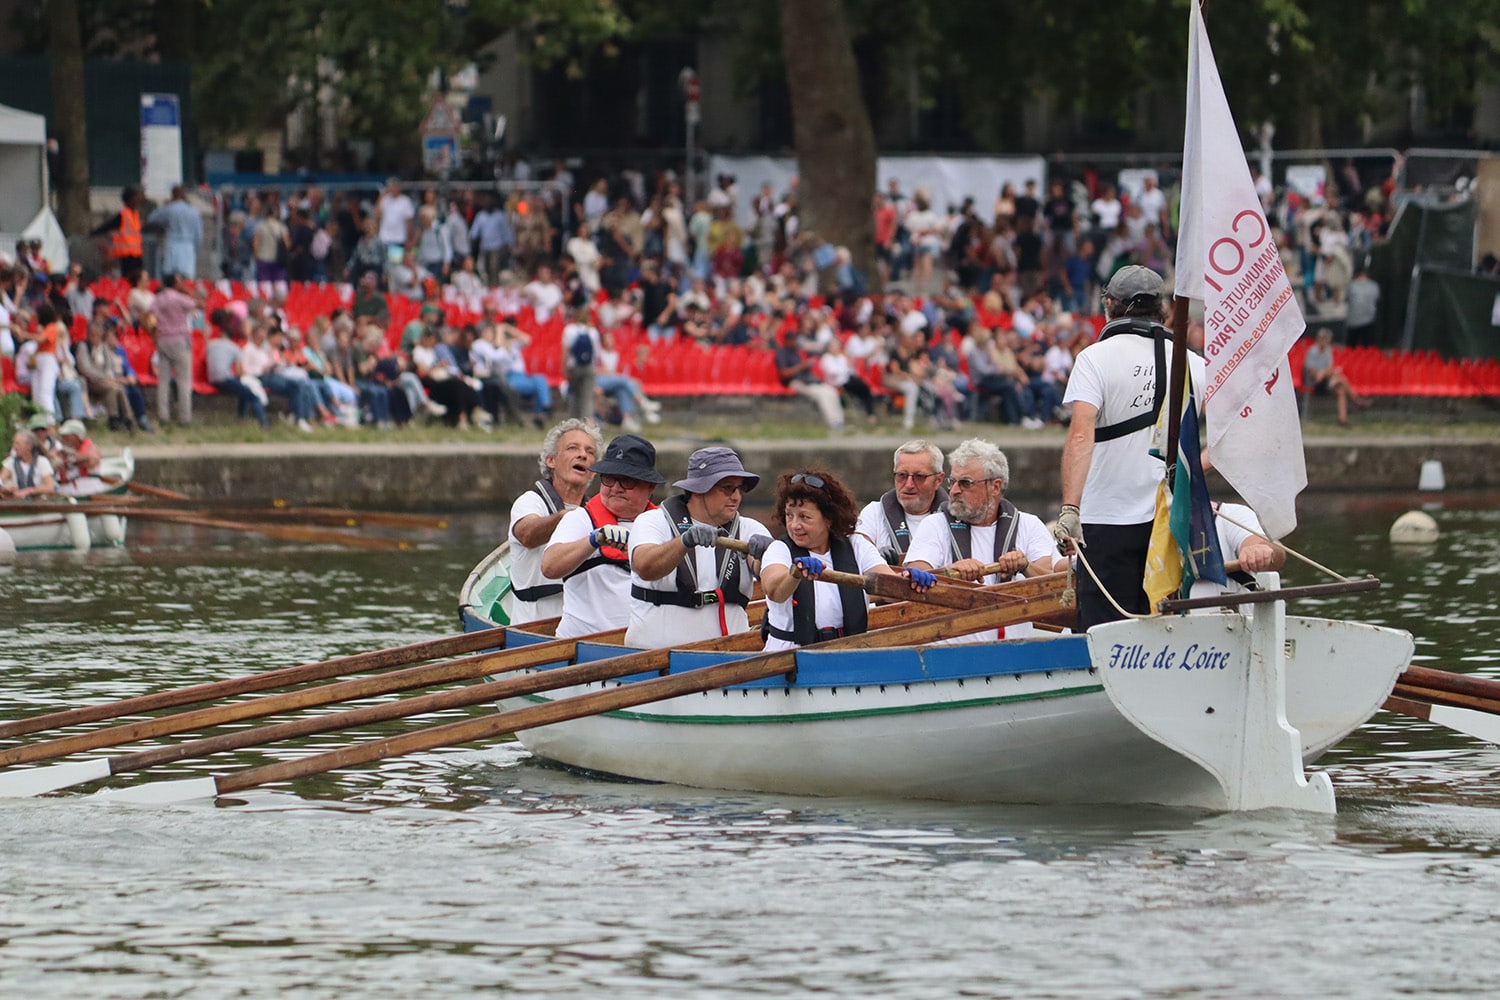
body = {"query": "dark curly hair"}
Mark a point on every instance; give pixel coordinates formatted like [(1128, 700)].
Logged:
[(832, 499)]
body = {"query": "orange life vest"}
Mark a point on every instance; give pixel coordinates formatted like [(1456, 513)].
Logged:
[(126, 241)]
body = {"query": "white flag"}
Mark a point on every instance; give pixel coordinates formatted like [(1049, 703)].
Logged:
[(1227, 257)]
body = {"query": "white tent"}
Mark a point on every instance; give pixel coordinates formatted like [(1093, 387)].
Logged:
[(25, 207)]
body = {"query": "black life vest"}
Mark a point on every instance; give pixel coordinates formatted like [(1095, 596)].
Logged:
[(895, 517), (962, 535), (1158, 335), (804, 599), (555, 503), (686, 592)]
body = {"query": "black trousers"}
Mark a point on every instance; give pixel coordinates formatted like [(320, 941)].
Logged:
[(1118, 554)]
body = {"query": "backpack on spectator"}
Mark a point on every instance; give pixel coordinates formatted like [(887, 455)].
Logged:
[(581, 350)]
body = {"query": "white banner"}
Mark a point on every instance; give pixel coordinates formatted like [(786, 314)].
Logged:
[(1227, 257), (161, 145), (948, 179)]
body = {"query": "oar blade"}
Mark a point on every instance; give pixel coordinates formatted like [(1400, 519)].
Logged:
[(40, 780), (163, 793), (1469, 721)]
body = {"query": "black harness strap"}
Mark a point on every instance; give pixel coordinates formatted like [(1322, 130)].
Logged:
[(555, 503), (1158, 335), (895, 517)]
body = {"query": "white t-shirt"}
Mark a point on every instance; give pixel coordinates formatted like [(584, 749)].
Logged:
[(875, 526), (41, 470), (395, 213), (1231, 537), (932, 544), (1152, 203), (653, 626), (544, 296), (829, 611), (572, 332), (598, 600), (1117, 375), (526, 563), (1107, 212)]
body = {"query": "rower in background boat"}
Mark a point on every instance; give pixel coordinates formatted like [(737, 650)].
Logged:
[(891, 521), (47, 443), (79, 458), (979, 526), (683, 587), (588, 549), (26, 472), (1240, 538), (819, 514), (567, 452)]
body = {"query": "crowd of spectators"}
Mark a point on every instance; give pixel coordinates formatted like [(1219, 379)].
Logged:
[(483, 307)]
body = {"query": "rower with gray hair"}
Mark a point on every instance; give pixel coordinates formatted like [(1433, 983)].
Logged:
[(891, 521), (567, 452), (980, 527)]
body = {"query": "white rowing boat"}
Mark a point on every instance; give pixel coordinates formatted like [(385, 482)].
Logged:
[(77, 531), (1174, 710)]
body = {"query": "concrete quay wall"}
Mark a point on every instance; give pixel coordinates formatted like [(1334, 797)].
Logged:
[(471, 475)]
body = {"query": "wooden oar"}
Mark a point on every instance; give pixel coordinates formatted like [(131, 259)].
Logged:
[(1482, 725), (37, 780), (144, 490), (447, 671), (286, 532), (562, 710), (382, 517), (736, 545), (1448, 680), (356, 663)]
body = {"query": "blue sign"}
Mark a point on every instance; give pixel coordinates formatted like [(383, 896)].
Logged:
[(160, 110), (439, 152)]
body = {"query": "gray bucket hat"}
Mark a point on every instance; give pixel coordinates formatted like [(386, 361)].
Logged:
[(631, 456), (707, 466), (1135, 282)]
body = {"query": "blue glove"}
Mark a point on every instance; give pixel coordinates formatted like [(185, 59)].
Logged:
[(920, 578), (611, 534), (758, 546), (811, 566), (699, 534)]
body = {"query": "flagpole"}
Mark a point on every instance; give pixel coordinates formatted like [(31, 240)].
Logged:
[(1175, 387)]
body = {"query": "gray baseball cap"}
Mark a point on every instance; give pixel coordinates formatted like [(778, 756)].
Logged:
[(707, 466), (1135, 282)]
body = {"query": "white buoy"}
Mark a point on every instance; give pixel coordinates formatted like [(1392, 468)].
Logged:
[(7, 547), (1415, 527), (1431, 478)]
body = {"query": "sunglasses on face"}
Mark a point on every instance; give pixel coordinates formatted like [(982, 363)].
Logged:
[(730, 489), (619, 482), (917, 477), (968, 484)]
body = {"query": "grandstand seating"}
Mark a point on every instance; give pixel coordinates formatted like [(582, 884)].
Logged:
[(688, 369)]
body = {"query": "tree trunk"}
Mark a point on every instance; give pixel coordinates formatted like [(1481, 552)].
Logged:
[(65, 47), (831, 128)]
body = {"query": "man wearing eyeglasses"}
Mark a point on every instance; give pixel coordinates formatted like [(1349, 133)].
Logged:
[(892, 521), (683, 587), (588, 548), (981, 527)]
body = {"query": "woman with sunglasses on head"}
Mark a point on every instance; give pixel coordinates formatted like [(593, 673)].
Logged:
[(819, 514), (588, 548)]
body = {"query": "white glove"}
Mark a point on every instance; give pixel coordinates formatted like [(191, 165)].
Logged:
[(1069, 529), (611, 534)]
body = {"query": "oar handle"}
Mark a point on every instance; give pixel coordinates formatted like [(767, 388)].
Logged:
[(736, 545)]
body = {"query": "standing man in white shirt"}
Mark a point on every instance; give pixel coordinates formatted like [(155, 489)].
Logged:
[(683, 586), (567, 452), (1109, 478), (395, 212), (892, 521)]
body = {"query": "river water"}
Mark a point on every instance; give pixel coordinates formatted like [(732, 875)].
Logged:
[(474, 870)]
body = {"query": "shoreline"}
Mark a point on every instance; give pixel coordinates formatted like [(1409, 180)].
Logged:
[(479, 474)]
